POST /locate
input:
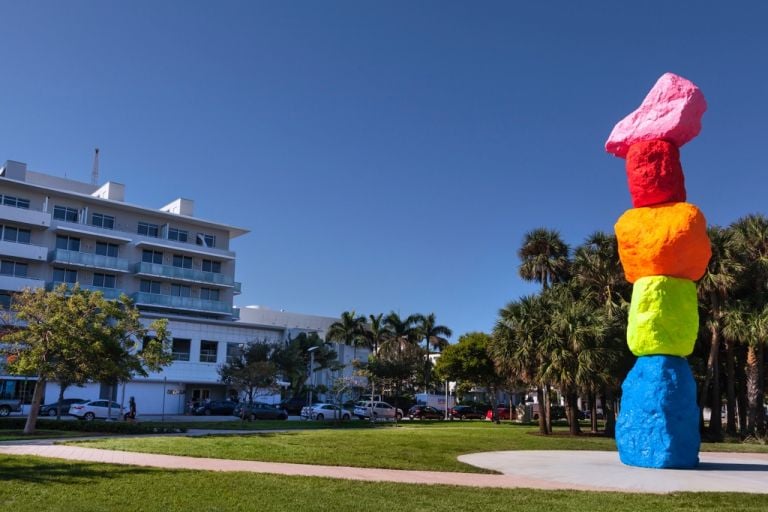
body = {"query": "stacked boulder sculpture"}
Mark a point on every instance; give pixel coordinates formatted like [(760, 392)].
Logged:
[(664, 248)]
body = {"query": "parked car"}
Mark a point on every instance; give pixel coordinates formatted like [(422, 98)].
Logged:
[(325, 412), (425, 412), (294, 405), (503, 412), (9, 406), (215, 407), (259, 411), (52, 409), (93, 409), (468, 412), (379, 410)]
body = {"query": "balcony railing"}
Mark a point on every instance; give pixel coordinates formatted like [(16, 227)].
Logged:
[(25, 216), (183, 274), (24, 251), (17, 284), (108, 293), (89, 260), (238, 287), (182, 303)]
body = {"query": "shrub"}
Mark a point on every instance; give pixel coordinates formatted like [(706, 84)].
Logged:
[(100, 427)]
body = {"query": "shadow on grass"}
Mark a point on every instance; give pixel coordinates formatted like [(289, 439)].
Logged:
[(27, 470)]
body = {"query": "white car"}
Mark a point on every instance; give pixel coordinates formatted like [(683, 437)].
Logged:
[(97, 409), (325, 412), (379, 410)]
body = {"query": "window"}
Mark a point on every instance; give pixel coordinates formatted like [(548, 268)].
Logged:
[(14, 234), (234, 352), (180, 349), (65, 213), (206, 240), (13, 268), (178, 234), (5, 300), (103, 221), (209, 294), (64, 275), (104, 280), (68, 243), (149, 256), (16, 202), (182, 261), (212, 266), (106, 249), (148, 229), (181, 290), (147, 286), (208, 351)]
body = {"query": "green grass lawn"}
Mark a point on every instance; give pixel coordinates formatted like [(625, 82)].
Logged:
[(37, 484), (424, 446)]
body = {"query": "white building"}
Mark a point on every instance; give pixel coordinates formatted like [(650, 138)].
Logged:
[(174, 265)]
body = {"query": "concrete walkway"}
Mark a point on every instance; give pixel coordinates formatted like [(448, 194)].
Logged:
[(579, 470)]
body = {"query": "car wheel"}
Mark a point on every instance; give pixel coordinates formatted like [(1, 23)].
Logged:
[(89, 416), (283, 417), (319, 417), (398, 416), (345, 417), (251, 417), (5, 410), (207, 412), (51, 412), (463, 417)]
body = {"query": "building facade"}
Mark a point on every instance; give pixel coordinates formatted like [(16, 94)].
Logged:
[(172, 264)]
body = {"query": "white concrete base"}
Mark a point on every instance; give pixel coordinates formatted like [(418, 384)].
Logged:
[(589, 470)]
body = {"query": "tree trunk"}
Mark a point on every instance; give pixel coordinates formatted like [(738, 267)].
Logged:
[(572, 405), (730, 389), (593, 411), (609, 412), (547, 408), (713, 374), (760, 423), (542, 418), (754, 400), (741, 397), (62, 388), (37, 395)]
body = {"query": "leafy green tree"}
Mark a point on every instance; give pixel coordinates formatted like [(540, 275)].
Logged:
[(79, 336), (252, 371), (292, 360), (469, 361)]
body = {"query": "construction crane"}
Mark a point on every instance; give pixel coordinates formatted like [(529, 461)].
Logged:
[(95, 171)]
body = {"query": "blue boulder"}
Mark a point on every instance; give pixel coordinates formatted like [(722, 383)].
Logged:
[(658, 425)]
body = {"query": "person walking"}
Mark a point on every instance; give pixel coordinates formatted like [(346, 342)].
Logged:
[(131, 414)]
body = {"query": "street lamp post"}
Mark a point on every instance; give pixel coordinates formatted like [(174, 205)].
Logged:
[(311, 351)]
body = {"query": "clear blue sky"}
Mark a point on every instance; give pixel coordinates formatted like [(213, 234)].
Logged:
[(384, 155)]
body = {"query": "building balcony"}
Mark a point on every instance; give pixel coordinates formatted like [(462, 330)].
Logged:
[(183, 274), (25, 216), (23, 251), (108, 293), (238, 287), (17, 284), (182, 303), (89, 260), (183, 247)]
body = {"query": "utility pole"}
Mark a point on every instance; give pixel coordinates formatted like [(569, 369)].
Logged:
[(95, 171)]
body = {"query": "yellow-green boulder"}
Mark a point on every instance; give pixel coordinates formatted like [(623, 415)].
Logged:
[(663, 317)]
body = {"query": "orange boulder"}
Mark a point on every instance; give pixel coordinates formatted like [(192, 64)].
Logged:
[(663, 240)]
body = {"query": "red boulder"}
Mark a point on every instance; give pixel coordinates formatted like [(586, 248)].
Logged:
[(654, 173)]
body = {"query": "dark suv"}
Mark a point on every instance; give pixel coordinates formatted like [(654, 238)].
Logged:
[(468, 411), (294, 405)]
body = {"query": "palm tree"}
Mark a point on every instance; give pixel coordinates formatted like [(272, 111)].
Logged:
[(516, 346), (544, 257), (750, 237), (714, 289), (349, 330), (376, 332), (435, 335), (401, 332)]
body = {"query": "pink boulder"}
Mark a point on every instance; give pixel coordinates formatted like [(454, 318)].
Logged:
[(671, 111)]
